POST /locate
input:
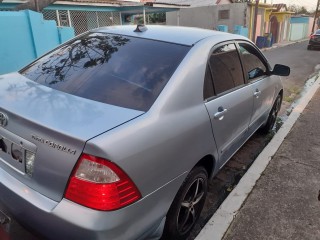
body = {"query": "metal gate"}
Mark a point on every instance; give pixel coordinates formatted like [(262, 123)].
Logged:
[(82, 21)]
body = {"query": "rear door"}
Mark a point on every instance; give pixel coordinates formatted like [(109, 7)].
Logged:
[(262, 87), (228, 100)]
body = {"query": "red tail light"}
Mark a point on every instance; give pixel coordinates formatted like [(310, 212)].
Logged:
[(100, 184), (312, 37)]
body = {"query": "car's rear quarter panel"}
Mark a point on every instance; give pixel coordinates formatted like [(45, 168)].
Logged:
[(172, 137)]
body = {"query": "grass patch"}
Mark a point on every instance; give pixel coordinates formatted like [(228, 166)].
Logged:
[(293, 93)]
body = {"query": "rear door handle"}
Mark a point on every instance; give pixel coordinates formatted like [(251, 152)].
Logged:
[(220, 114), (257, 93)]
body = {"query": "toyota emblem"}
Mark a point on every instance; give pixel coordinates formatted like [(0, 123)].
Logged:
[(3, 119)]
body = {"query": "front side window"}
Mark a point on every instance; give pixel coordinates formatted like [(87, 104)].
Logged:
[(253, 64), (226, 68), (119, 70)]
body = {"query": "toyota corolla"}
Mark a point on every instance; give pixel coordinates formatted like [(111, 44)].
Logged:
[(115, 134)]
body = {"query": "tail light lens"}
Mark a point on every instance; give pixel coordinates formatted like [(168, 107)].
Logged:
[(100, 184), (312, 37)]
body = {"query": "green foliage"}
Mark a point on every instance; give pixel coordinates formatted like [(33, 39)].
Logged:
[(242, 1), (298, 9), (157, 17)]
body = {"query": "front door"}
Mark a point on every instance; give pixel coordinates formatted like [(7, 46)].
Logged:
[(262, 88)]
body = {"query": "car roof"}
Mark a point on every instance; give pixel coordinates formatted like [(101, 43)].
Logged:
[(179, 35)]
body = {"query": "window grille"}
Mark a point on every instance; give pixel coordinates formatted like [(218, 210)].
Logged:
[(50, 15), (83, 21)]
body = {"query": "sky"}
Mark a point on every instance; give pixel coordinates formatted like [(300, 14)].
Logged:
[(309, 4)]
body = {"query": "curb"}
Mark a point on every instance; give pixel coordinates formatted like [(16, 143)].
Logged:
[(219, 223)]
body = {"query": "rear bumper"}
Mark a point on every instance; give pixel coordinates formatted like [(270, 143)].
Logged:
[(67, 220), (314, 43)]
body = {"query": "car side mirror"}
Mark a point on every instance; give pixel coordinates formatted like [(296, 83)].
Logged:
[(281, 70)]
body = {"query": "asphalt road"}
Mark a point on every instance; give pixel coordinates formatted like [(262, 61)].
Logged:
[(302, 63)]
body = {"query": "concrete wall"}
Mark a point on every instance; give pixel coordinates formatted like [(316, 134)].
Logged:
[(300, 28), (311, 19), (25, 36), (208, 16)]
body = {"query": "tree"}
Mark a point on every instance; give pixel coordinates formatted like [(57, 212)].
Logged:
[(242, 1), (35, 5), (298, 9), (157, 18)]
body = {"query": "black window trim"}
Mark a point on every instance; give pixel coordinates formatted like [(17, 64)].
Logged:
[(214, 91), (208, 65)]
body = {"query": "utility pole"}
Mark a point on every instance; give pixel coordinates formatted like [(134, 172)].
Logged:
[(315, 16), (255, 21), (36, 5)]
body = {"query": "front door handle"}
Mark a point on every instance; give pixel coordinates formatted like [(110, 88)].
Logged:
[(220, 114), (257, 93)]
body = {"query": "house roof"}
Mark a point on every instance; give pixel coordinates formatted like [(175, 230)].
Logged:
[(191, 3), (280, 6), (109, 2), (127, 3)]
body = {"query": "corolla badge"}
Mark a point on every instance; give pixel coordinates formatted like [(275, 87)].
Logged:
[(3, 119)]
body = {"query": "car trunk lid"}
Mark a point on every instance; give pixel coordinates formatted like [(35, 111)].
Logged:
[(53, 125)]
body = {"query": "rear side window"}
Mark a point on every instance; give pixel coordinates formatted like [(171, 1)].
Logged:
[(119, 70), (226, 68)]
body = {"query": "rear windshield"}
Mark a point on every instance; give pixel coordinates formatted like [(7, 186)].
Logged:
[(119, 70), (318, 31)]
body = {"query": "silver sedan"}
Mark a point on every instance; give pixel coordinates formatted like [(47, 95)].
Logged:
[(115, 134)]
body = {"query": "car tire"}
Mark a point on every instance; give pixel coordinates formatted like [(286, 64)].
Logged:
[(272, 116), (309, 47), (187, 205)]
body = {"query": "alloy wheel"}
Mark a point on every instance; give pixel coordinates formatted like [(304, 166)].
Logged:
[(190, 208)]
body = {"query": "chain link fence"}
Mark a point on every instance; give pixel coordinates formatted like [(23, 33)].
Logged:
[(82, 21)]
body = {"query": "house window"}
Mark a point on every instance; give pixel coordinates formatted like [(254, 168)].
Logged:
[(224, 14), (64, 20)]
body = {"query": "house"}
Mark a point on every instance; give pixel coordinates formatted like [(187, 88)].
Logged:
[(211, 16), (84, 15), (273, 19), (301, 27)]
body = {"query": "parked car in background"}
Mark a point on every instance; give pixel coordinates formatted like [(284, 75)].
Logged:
[(314, 41), (115, 134)]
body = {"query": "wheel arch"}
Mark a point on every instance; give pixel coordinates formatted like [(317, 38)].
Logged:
[(281, 93), (209, 163)]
